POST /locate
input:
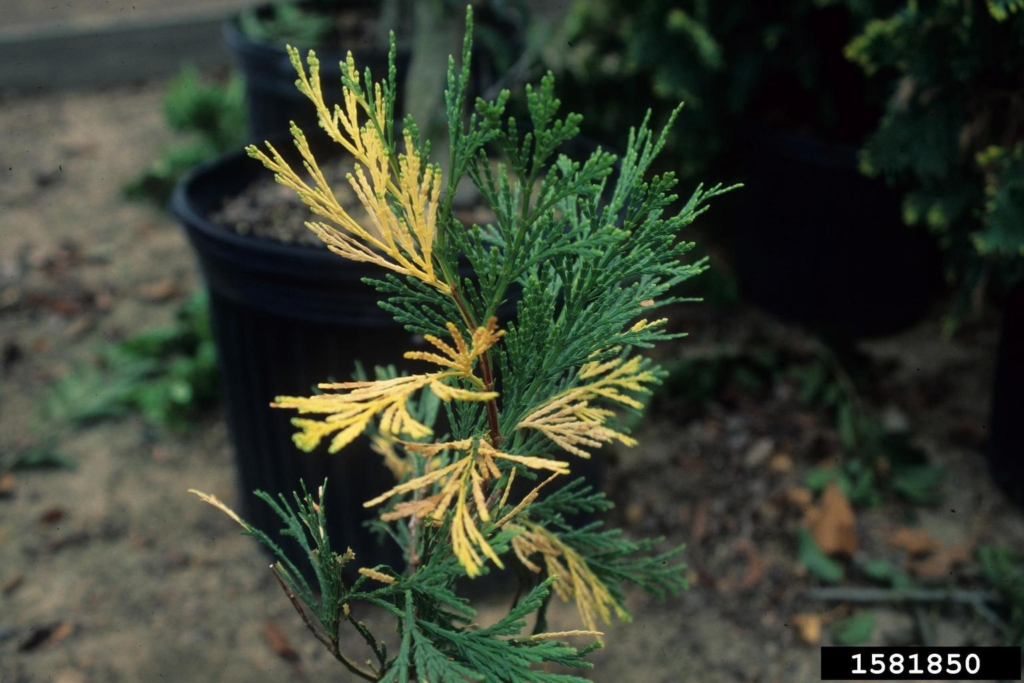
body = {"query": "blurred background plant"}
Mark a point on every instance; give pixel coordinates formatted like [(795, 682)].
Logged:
[(934, 94), (731, 63), (290, 23), (209, 116), (166, 374), (952, 135)]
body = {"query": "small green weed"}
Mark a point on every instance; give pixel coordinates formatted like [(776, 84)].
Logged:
[(212, 119), (166, 374), (288, 25)]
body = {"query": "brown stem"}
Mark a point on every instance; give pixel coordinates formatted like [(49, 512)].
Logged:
[(330, 644), (491, 406)]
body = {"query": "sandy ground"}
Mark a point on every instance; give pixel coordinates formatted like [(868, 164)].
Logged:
[(134, 580)]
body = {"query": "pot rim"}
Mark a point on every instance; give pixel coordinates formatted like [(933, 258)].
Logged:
[(185, 205)]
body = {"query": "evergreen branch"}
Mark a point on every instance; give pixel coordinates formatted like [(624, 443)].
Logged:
[(330, 643), (588, 250)]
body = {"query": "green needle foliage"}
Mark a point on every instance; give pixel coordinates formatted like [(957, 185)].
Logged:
[(584, 250)]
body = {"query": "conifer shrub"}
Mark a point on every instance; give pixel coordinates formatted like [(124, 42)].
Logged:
[(592, 258), (952, 136), (732, 63)]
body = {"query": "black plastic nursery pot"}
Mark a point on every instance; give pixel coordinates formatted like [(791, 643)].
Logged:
[(1006, 432), (285, 318), (272, 100), (819, 244)]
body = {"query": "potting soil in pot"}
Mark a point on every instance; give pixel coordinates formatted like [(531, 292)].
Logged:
[(269, 210)]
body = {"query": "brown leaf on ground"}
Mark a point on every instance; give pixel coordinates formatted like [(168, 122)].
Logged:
[(7, 485), (800, 498), (159, 291), (808, 627), (915, 541), (277, 642), (832, 522), (941, 563), (52, 515), (62, 631), (780, 463)]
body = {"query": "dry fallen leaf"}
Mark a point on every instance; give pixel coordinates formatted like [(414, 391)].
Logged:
[(6, 485), (941, 563), (277, 642), (832, 522), (52, 515), (61, 632), (780, 463), (808, 627), (799, 497), (914, 541), (159, 291)]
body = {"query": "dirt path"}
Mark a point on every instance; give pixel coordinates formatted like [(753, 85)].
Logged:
[(118, 575)]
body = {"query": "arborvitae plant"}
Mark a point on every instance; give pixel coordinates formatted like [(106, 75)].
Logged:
[(591, 257), (953, 133)]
